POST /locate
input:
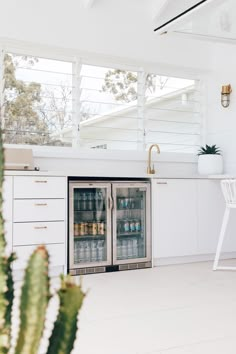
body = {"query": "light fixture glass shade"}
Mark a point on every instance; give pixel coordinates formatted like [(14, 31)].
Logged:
[(225, 95), (225, 100)]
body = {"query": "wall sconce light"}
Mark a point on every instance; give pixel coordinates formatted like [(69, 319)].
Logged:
[(225, 95)]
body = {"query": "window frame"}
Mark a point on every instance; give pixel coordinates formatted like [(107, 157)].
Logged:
[(78, 59)]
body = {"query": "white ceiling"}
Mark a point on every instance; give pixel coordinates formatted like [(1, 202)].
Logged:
[(213, 22), (122, 28), (170, 9)]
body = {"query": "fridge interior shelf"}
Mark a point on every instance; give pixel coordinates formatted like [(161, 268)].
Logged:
[(89, 211), (89, 237), (129, 209), (128, 234)]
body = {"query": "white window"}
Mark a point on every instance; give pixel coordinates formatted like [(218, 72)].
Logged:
[(54, 102), (37, 100), (108, 108), (172, 113)]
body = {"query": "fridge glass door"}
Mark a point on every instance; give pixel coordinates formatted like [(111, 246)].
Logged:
[(90, 225), (131, 228)]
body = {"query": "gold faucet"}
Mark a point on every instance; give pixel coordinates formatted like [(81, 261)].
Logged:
[(151, 170)]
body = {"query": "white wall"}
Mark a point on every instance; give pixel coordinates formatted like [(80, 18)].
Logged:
[(124, 30), (221, 122), (114, 28)]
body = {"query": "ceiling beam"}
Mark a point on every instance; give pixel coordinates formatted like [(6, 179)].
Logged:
[(157, 9), (87, 4)]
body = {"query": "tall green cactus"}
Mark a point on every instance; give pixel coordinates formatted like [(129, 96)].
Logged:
[(34, 299), (6, 281), (63, 336)]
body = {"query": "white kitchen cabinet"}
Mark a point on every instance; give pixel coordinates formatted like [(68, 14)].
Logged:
[(211, 206), (35, 210), (174, 217), (7, 210)]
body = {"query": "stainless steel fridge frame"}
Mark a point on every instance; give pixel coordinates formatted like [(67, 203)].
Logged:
[(111, 187)]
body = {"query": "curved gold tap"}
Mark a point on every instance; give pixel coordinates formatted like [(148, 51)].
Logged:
[(151, 170)]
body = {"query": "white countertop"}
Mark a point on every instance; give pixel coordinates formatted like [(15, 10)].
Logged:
[(34, 173), (77, 174)]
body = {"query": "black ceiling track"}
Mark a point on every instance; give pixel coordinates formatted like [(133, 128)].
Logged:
[(181, 14)]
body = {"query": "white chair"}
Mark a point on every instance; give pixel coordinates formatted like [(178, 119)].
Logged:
[(228, 187)]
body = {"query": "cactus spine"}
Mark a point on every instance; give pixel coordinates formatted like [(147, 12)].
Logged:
[(71, 298), (6, 282), (34, 301)]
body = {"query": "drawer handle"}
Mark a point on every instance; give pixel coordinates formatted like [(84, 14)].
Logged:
[(161, 182), (40, 204), (41, 181), (40, 227)]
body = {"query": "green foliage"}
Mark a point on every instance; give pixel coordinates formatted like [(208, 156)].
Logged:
[(22, 122), (34, 299), (63, 336), (33, 112), (6, 281), (209, 150), (122, 84)]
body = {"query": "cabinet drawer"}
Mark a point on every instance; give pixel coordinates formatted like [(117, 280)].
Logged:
[(39, 210), (38, 233), (39, 187), (56, 253)]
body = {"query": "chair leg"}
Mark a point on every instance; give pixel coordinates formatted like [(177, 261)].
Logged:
[(221, 238)]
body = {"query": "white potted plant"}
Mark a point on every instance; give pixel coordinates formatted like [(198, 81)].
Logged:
[(210, 160)]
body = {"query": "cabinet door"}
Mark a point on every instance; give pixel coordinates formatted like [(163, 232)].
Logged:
[(211, 206), (174, 217), (7, 210)]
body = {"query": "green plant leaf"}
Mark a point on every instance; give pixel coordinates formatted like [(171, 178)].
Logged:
[(209, 150)]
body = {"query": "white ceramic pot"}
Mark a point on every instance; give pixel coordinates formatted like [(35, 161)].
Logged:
[(210, 164)]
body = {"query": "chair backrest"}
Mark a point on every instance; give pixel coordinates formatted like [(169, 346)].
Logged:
[(228, 187)]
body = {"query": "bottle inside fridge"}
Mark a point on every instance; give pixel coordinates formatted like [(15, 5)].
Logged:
[(131, 223), (89, 225)]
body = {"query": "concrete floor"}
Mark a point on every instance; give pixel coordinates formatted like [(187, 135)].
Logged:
[(179, 309)]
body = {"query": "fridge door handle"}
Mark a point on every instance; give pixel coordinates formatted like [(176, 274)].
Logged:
[(110, 203)]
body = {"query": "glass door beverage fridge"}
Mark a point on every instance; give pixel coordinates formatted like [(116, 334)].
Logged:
[(109, 226)]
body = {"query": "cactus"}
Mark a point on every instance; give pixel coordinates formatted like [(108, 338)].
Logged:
[(63, 336), (34, 299), (6, 281)]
